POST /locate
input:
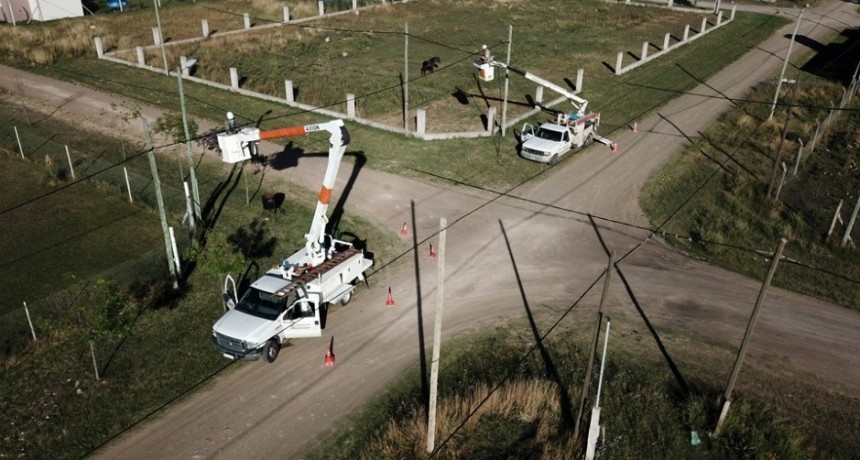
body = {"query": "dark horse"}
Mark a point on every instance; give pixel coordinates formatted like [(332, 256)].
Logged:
[(429, 65)]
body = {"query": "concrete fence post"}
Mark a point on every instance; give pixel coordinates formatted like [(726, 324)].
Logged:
[(355, 5), (100, 51), (580, 76), (704, 25), (799, 156), (156, 38), (644, 52), (247, 18), (719, 18), (491, 119), (666, 41), (671, 4), (420, 121), (686, 33), (141, 59), (732, 15), (286, 14), (321, 7), (618, 63), (234, 78), (350, 105), (288, 87), (204, 24), (182, 63), (538, 95)]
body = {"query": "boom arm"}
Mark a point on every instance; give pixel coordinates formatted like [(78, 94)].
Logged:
[(577, 101), (239, 145)]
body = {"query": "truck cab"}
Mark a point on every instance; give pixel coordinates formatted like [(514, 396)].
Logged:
[(264, 318), (555, 138)]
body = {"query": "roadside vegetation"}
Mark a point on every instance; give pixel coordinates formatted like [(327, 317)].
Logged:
[(712, 199), (498, 398)]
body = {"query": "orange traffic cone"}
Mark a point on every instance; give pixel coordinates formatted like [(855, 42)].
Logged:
[(405, 230), (635, 127), (613, 146), (390, 301), (432, 252), (329, 358)]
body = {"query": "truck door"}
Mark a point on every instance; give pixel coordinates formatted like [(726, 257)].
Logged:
[(527, 131), (229, 293), (302, 319)]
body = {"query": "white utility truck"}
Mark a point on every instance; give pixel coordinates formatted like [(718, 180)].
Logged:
[(556, 137), (291, 299)]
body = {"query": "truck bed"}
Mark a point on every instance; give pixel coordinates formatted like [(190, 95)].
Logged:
[(312, 274)]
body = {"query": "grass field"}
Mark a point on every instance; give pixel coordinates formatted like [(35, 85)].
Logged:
[(488, 162)]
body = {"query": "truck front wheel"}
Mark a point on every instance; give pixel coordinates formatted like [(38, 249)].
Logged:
[(271, 350), (553, 159)]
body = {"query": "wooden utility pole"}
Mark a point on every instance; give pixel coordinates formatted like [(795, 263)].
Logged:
[(156, 182), (161, 37), (750, 325), (191, 173), (784, 65), (437, 336), (586, 381), (406, 76), (507, 80)]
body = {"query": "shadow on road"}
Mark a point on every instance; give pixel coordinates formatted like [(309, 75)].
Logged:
[(567, 420), (682, 383)]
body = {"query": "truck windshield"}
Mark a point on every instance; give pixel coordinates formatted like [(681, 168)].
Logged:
[(260, 304), (554, 136)]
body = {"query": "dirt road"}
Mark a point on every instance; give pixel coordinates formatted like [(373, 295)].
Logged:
[(264, 411)]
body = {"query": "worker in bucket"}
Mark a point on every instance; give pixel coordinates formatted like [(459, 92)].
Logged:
[(485, 54)]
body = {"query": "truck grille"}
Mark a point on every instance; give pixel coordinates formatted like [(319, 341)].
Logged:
[(229, 343)]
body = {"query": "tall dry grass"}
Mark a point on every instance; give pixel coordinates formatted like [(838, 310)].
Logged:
[(534, 402)]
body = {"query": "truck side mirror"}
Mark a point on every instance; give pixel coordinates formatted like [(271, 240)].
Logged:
[(229, 303)]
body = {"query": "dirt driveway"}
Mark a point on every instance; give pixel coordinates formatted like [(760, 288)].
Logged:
[(265, 411)]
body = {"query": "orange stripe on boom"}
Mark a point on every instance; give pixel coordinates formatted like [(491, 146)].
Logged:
[(325, 195), (292, 131)]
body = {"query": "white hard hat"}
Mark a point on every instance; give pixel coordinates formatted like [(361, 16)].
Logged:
[(484, 47)]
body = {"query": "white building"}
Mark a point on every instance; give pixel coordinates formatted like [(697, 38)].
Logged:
[(39, 10)]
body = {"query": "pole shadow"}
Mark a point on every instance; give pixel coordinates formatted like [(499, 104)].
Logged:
[(422, 351), (679, 378), (567, 420)]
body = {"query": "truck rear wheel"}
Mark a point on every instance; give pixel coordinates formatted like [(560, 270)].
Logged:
[(271, 350), (346, 298), (588, 140)]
